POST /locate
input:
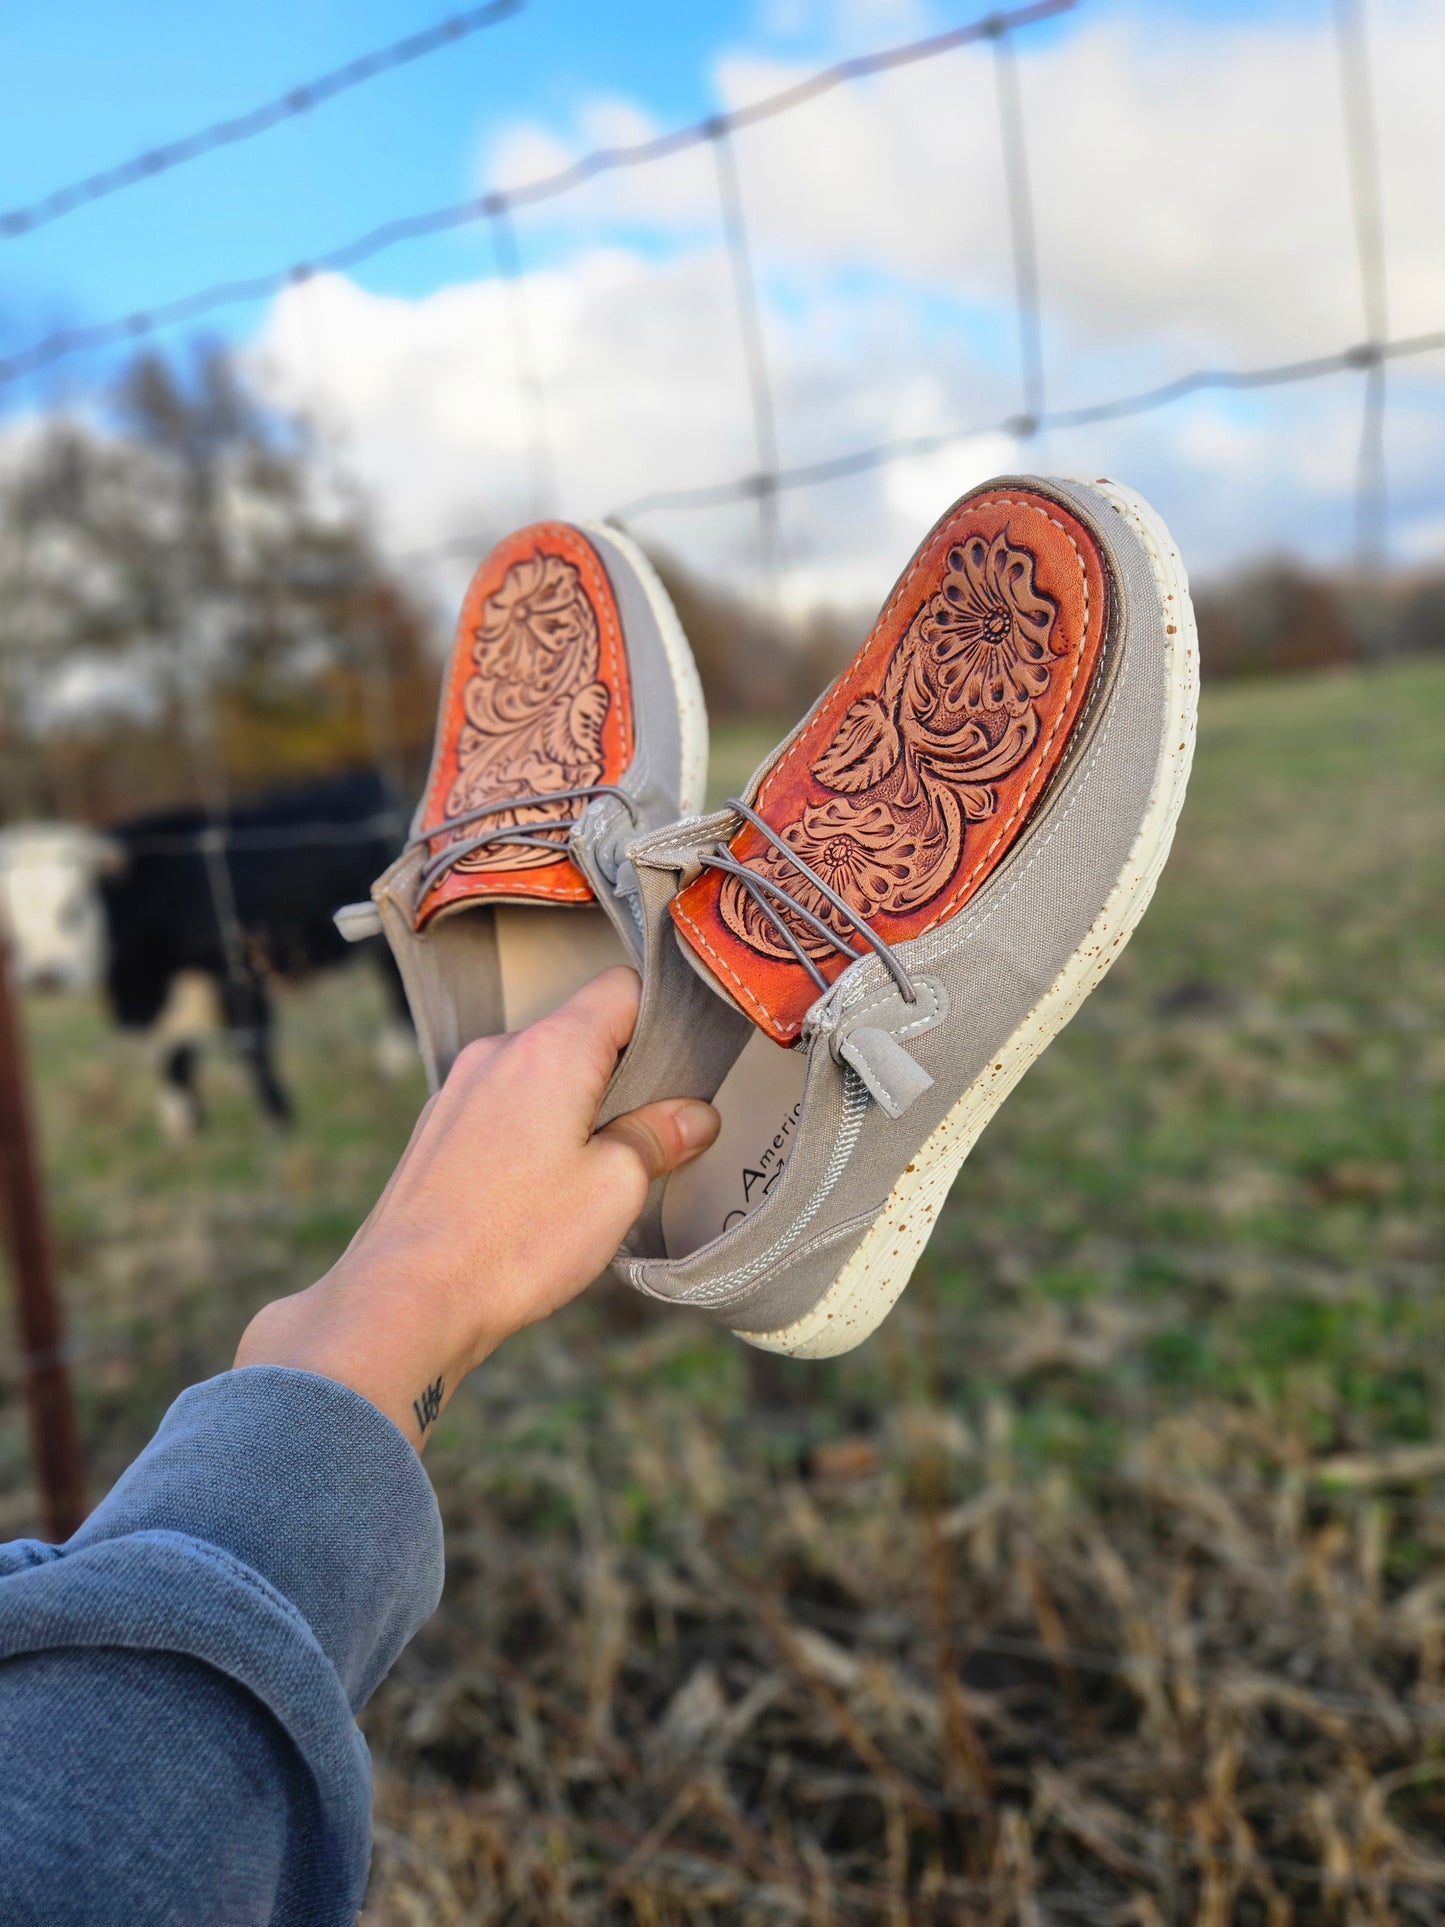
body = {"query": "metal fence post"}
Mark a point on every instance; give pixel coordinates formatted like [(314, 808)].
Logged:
[(59, 1465)]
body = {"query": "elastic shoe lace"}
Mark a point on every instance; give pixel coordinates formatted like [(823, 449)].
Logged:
[(540, 834)]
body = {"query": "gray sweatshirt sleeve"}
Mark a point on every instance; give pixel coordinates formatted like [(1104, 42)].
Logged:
[(178, 1682)]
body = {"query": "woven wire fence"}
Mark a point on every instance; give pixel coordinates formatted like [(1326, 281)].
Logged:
[(500, 210), (999, 33), (771, 478)]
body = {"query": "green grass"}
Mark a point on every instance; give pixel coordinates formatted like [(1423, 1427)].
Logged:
[(1233, 1154), (1197, 1253)]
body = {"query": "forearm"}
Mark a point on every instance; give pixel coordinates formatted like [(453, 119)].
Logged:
[(506, 1202), (279, 1533)]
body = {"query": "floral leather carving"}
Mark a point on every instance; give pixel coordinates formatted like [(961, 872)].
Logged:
[(923, 762), (537, 700)]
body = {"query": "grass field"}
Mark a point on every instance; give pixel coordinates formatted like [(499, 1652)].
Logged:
[(1106, 1583)]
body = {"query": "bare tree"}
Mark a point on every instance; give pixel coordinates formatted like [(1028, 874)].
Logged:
[(178, 595)]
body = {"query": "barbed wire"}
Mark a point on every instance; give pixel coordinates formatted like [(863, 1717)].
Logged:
[(1371, 501), (835, 468), (64, 342), (771, 477), (296, 100)]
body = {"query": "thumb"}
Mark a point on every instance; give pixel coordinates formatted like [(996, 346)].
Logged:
[(663, 1135)]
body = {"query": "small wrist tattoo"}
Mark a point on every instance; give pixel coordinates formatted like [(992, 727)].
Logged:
[(429, 1405)]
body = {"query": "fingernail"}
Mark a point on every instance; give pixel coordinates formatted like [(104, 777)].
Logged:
[(697, 1125)]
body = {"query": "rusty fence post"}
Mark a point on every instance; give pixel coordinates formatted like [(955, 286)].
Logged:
[(55, 1436)]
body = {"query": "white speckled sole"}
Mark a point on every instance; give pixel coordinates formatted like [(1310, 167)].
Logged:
[(879, 1267)]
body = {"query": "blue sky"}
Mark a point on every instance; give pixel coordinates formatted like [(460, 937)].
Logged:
[(89, 84), (872, 330)]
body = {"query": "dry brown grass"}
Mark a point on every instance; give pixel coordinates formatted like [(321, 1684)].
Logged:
[(898, 1679), (1106, 1583)]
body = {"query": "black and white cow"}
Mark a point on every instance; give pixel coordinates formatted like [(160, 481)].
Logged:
[(202, 910), (49, 906)]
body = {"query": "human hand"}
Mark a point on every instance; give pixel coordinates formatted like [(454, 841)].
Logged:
[(504, 1205)]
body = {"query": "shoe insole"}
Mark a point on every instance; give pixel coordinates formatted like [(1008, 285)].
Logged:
[(545, 953), (759, 1103)]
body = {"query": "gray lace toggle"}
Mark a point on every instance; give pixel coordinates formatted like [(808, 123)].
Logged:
[(870, 1033), (602, 839), (627, 892), (893, 1077)]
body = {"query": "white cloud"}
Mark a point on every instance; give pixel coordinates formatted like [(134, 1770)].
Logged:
[(1189, 178), (919, 489), (1423, 541), (1192, 206)]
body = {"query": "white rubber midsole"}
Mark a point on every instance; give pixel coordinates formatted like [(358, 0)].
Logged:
[(879, 1267)]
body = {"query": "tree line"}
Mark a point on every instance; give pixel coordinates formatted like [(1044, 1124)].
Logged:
[(180, 594)]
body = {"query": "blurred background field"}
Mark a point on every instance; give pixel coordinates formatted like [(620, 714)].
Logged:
[(1107, 1583)]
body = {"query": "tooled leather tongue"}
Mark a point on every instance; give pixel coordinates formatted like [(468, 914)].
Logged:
[(537, 700), (923, 763)]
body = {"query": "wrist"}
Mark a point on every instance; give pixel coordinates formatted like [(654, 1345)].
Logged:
[(377, 1340)]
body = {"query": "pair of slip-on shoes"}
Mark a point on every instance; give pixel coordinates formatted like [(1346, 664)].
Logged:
[(857, 959)]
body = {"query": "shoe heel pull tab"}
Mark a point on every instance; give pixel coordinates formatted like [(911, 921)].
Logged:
[(358, 921), (892, 1076)]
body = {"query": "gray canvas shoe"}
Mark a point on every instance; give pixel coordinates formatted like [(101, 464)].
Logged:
[(858, 960), (571, 721)]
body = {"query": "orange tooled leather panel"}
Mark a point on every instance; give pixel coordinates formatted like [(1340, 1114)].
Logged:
[(924, 760), (537, 700)]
